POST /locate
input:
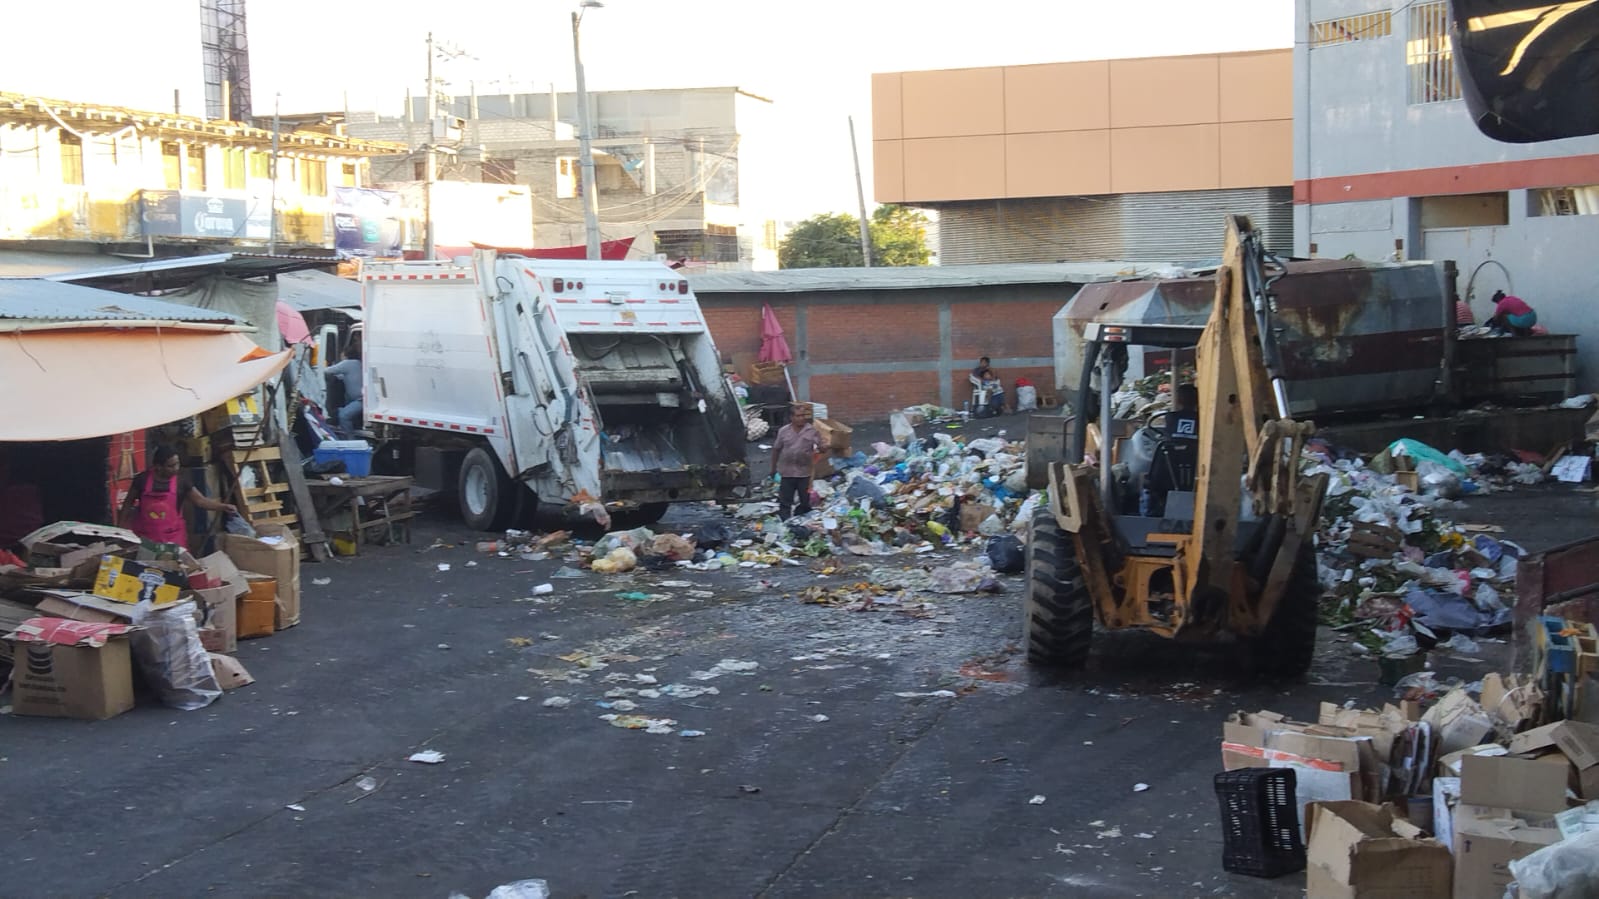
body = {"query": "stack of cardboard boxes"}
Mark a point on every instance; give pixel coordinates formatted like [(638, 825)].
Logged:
[(97, 575), (1373, 784)]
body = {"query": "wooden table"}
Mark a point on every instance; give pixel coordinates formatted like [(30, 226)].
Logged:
[(376, 505)]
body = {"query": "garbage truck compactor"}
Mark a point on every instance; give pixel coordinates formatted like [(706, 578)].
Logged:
[(512, 381)]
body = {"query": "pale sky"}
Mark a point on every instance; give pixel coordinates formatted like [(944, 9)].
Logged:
[(813, 59)]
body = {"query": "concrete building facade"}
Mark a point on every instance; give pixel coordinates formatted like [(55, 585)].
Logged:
[(1388, 162), (670, 165), (1123, 159), (129, 180)]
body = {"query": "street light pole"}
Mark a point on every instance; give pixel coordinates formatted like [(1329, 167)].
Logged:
[(430, 167), (585, 153)]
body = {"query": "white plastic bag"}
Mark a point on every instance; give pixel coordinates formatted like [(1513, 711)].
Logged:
[(900, 427), (169, 654), (1026, 398), (1568, 869)]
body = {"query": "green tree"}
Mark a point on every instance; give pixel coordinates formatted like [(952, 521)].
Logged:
[(833, 240), (899, 236)]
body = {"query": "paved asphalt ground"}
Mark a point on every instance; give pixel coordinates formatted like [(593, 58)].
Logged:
[(888, 796)]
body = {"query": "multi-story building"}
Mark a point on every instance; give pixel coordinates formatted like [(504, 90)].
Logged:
[(1388, 162), (110, 179), (669, 167), (1122, 159)]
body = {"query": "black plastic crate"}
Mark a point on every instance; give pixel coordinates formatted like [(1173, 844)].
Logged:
[(1259, 824)]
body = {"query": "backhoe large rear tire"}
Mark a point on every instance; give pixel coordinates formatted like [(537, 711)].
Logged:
[(1287, 646), (1059, 614)]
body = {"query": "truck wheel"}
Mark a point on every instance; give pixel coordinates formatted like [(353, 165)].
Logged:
[(1059, 614), (1288, 644), (488, 496)]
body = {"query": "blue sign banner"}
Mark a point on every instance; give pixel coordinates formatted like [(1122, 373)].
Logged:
[(367, 222), (171, 213)]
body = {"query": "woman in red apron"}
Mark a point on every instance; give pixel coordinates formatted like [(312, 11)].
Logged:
[(154, 507)]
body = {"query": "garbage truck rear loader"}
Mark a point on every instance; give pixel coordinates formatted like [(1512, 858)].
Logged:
[(514, 381)]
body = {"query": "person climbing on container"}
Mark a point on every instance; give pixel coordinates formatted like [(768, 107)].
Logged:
[(154, 507), (793, 458), (1513, 315)]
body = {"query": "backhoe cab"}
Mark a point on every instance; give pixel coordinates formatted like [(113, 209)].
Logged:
[(1189, 535)]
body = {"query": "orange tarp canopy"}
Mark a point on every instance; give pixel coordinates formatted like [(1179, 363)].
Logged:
[(73, 383)]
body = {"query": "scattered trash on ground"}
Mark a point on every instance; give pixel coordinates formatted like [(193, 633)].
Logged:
[(427, 757), (557, 702)]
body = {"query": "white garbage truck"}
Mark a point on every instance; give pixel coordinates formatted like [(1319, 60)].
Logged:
[(514, 381)]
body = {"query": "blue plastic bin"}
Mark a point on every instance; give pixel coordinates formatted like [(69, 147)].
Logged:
[(355, 454)]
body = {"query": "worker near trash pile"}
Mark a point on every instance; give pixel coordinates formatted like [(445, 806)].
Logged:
[(154, 507), (793, 458), (1512, 314), (349, 416)]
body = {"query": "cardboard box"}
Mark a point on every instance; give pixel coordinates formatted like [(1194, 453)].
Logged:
[(1509, 782), (1487, 840), (1445, 799), (71, 669), (127, 581), (1457, 721), (1356, 850), (973, 515), (835, 435), (83, 607), (218, 622), (1579, 741), (279, 560), (257, 609), (1329, 763), (241, 411)]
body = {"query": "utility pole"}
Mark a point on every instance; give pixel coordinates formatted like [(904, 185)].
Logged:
[(585, 152), (272, 226), (860, 197), (430, 171)]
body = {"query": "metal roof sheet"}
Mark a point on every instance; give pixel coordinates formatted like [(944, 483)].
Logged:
[(310, 290), (180, 271), (917, 277), (40, 299)]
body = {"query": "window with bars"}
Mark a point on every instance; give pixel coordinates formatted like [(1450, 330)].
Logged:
[(1351, 28), (1429, 55)]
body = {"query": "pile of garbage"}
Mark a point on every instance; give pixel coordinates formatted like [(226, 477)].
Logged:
[(1392, 557)]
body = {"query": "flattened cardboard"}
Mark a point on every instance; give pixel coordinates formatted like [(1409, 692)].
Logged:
[(229, 672), (1487, 840), (83, 606), (1445, 798), (280, 561), (1509, 782), (1579, 741), (87, 682), (1356, 850)]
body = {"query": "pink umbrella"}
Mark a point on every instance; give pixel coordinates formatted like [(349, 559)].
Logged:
[(291, 324), (774, 347)]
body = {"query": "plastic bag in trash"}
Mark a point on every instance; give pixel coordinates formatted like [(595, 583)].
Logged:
[(1487, 599), (1026, 398), (1460, 643), (522, 889), (636, 539), (865, 488), (616, 561), (238, 526), (712, 535), (1441, 609), (991, 526), (1005, 554), (1400, 645), (671, 547), (900, 427), (169, 654), (1568, 869)]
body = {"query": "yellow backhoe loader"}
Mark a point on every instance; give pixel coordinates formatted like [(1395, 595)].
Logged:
[(1211, 534)]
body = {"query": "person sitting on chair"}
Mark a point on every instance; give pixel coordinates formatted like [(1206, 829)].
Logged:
[(350, 416), (991, 400)]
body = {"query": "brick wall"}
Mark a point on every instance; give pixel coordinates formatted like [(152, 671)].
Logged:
[(866, 354)]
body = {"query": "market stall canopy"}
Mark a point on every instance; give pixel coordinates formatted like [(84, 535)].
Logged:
[(78, 362), (313, 290)]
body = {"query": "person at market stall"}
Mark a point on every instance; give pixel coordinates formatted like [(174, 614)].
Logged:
[(793, 458), (350, 416), (154, 507), (1512, 314)]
